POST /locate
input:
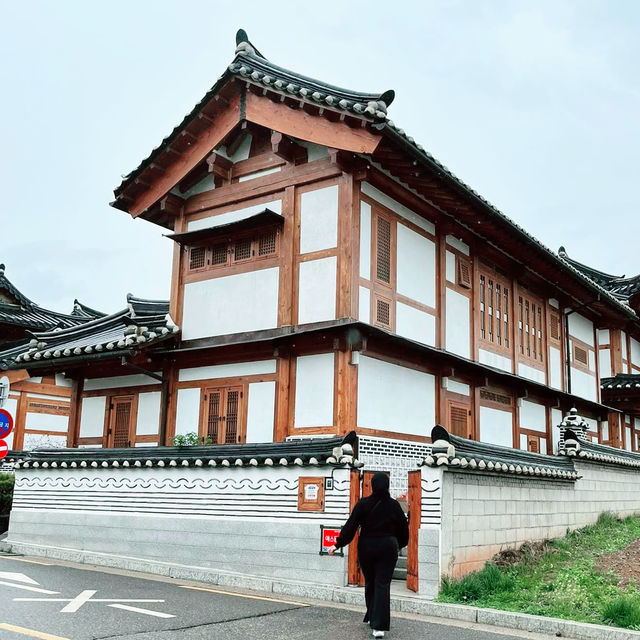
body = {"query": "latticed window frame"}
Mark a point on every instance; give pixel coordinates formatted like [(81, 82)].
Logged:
[(495, 321), (224, 395), (255, 241), (531, 329)]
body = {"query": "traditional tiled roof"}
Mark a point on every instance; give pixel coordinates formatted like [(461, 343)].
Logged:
[(253, 68), (142, 323), (19, 311), (460, 454), (576, 447), (310, 451), (622, 381), (83, 311), (620, 287)]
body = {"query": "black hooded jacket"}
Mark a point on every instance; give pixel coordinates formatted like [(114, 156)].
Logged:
[(378, 516)]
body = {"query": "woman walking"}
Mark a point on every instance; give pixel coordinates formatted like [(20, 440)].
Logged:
[(383, 532)]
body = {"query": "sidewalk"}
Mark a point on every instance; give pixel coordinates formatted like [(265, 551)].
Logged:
[(402, 599)]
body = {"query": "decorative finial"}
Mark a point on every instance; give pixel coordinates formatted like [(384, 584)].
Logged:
[(562, 252), (2, 267), (244, 46)]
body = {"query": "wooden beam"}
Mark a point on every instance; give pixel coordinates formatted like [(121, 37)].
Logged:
[(299, 124), (288, 149), (219, 166), (192, 155)]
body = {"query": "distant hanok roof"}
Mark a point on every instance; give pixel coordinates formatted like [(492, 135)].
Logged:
[(140, 324), (147, 191), (623, 288), (19, 311)]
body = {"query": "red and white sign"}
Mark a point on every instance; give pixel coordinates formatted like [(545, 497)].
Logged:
[(4, 449), (329, 535)]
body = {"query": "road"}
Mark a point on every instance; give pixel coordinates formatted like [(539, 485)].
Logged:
[(50, 600)]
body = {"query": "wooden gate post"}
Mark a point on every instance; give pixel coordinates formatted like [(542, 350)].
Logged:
[(415, 515), (353, 573)]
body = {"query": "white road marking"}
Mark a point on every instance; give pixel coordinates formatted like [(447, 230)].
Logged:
[(244, 595), (25, 588), (17, 577), (147, 612), (77, 602)]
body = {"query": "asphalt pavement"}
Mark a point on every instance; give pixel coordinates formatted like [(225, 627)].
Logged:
[(48, 600)]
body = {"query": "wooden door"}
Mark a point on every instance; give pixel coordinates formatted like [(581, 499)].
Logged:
[(415, 516), (459, 419), (224, 415), (121, 425)]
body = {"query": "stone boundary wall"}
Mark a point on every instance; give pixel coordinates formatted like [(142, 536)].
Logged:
[(483, 513), (237, 519)]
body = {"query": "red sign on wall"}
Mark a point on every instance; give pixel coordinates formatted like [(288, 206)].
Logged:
[(328, 537), (4, 449)]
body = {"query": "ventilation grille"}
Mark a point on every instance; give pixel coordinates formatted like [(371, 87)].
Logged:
[(581, 355), (383, 262), (383, 312), (464, 272)]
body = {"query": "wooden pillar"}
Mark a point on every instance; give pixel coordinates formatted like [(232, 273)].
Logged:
[(415, 516), (286, 297), (177, 288), (281, 422), (353, 573), (346, 392), (616, 352), (347, 221), (20, 421), (171, 376), (75, 412)]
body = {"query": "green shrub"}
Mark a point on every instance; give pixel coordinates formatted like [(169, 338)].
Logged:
[(623, 612), (190, 439), (478, 585), (6, 493)]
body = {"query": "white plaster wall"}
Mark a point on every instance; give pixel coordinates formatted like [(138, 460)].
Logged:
[(234, 216), (92, 384), (583, 385), (533, 416), (206, 184), (231, 304), (458, 387), (531, 373), (395, 398), (46, 422), (416, 266), (635, 352), (592, 361), (555, 368), (364, 304), (463, 247), (604, 430), (61, 381), (188, 411), (38, 440), (627, 438), (450, 266), (556, 419), (365, 240), (148, 413), (231, 370), (314, 390), (604, 336), (415, 324), (315, 151), (317, 290), (495, 360), (496, 426), (604, 361), (458, 329), (319, 219), (581, 328), (92, 417), (261, 411), (396, 207)]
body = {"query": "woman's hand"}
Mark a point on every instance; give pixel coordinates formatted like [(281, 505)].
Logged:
[(331, 550)]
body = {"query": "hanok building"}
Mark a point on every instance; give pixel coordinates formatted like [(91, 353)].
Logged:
[(39, 404), (330, 275)]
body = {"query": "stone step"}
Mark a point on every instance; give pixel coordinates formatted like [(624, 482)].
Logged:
[(400, 572)]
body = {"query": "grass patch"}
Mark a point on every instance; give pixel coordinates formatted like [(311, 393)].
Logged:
[(564, 582)]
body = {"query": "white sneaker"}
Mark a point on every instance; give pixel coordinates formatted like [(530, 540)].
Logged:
[(378, 634)]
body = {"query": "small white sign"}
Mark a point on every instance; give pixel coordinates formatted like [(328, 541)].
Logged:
[(310, 492)]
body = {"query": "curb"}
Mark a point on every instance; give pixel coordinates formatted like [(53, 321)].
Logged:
[(329, 593)]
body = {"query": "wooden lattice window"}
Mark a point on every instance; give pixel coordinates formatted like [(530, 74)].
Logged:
[(463, 272), (383, 310), (495, 320), (383, 250), (219, 255), (530, 328), (197, 258), (555, 328), (224, 414), (267, 243), (459, 418), (121, 424), (242, 250)]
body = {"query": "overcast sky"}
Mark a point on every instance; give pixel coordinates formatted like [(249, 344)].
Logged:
[(535, 104)]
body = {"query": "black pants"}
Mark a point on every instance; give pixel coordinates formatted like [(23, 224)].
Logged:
[(377, 557)]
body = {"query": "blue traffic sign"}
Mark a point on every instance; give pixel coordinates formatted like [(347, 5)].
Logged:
[(6, 423)]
